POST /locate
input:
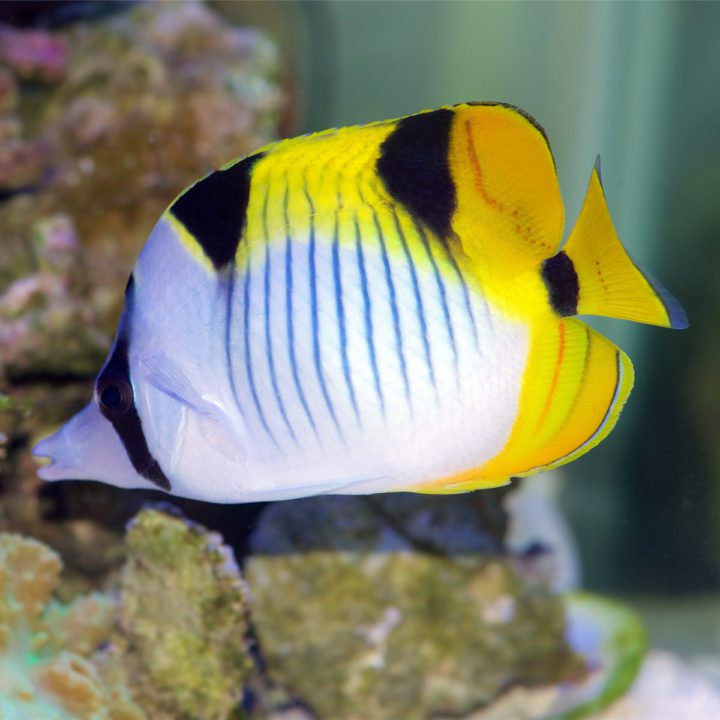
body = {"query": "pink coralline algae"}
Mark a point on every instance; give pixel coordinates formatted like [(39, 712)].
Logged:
[(134, 108), (34, 54)]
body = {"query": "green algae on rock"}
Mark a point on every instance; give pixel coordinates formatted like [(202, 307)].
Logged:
[(171, 645), (183, 620), (613, 642), (369, 628)]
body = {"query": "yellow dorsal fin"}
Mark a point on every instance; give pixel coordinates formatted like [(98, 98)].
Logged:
[(509, 207), (610, 283)]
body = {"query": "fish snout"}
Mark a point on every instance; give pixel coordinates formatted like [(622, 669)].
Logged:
[(87, 447), (54, 448)]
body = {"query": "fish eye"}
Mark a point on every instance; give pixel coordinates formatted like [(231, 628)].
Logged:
[(114, 397)]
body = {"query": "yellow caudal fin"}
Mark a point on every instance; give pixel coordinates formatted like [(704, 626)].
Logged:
[(576, 383), (610, 283)]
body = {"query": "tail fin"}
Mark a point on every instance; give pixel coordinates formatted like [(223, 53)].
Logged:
[(610, 283)]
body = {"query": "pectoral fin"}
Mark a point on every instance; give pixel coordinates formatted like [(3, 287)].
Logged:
[(167, 377), (206, 418)]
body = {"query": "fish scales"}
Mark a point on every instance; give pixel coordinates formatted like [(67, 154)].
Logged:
[(374, 308)]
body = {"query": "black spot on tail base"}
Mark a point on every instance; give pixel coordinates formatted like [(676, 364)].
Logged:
[(415, 168), (213, 210), (562, 283)]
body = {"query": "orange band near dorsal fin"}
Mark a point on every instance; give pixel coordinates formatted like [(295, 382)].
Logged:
[(509, 207)]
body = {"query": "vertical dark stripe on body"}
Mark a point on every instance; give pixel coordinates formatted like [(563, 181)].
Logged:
[(367, 312), (419, 306), (230, 296), (213, 210), (314, 317), (442, 293), (415, 169), (128, 426), (289, 315), (393, 307), (247, 277), (466, 296), (268, 334), (414, 166), (340, 308)]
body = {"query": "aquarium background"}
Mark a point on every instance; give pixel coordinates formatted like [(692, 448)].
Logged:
[(636, 83)]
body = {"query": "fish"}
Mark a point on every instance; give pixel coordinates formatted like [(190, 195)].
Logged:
[(377, 308)]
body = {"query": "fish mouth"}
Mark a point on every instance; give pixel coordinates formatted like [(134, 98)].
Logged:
[(87, 447), (55, 460)]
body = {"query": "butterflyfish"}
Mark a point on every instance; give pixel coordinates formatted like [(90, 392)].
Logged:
[(374, 308)]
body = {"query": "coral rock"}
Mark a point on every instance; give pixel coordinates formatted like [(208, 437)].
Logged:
[(147, 101), (46, 668), (183, 620), (359, 622)]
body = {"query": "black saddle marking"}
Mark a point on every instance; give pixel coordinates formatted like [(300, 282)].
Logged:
[(414, 166), (213, 210)]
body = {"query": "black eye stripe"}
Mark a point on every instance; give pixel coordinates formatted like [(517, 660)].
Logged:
[(114, 395), (127, 424)]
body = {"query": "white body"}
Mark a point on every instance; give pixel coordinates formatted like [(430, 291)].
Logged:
[(199, 403)]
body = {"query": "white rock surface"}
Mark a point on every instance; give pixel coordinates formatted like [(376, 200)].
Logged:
[(669, 688)]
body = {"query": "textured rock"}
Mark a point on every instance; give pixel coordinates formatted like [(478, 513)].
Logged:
[(172, 643), (88, 533), (183, 620), (471, 523), (46, 649), (357, 622), (132, 110), (102, 123)]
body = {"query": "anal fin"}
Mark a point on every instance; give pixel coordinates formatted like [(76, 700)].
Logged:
[(576, 383)]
